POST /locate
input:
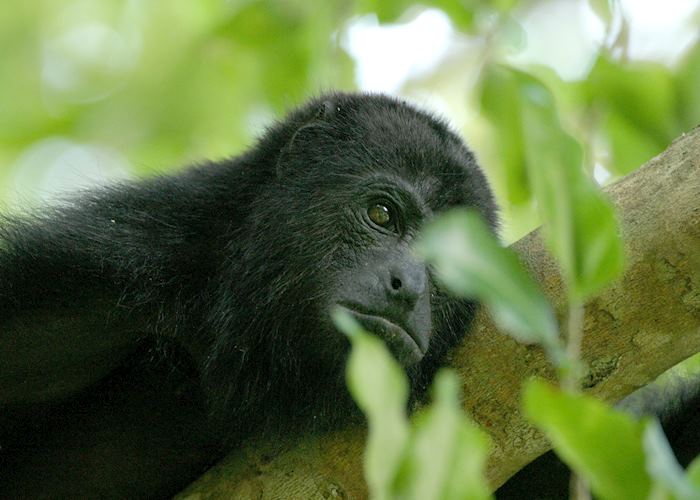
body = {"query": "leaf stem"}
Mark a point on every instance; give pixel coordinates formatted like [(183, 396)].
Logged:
[(578, 489), (573, 345), (572, 381)]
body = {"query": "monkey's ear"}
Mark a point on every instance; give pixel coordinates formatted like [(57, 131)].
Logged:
[(310, 137), (321, 114), (327, 110)]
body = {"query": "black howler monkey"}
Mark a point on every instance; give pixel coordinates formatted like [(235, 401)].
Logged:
[(230, 268), (147, 326)]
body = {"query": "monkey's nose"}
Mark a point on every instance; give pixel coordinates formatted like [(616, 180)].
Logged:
[(406, 283)]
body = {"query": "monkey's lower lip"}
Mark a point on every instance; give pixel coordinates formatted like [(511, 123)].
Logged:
[(399, 341)]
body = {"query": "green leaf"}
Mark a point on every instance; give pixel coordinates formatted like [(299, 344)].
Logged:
[(447, 453), (386, 10), (443, 457), (625, 87), (540, 157), (500, 104), (688, 82), (461, 13), (644, 93), (602, 9), (504, 5), (663, 466), (580, 224), (379, 386), (470, 262), (603, 445), (693, 472), (630, 145), (511, 36)]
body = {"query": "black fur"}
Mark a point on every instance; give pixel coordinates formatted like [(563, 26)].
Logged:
[(239, 262)]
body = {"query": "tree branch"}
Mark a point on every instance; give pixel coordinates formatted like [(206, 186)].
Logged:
[(643, 324)]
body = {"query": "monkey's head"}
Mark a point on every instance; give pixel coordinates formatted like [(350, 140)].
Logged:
[(350, 181)]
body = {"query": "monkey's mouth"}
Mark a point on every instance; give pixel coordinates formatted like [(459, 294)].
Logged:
[(402, 344)]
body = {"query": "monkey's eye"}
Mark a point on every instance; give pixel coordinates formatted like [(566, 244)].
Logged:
[(380, 215)]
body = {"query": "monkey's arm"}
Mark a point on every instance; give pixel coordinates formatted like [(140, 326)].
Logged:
[(56, 350), (81, 283)]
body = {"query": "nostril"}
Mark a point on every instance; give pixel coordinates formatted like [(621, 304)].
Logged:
[(396, 283)]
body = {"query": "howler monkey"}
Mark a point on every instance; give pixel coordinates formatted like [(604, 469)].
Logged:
[(215, 284), (147, 326)]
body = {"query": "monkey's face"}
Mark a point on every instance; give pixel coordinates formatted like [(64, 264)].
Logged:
[(353, 187), (384, 286), (370, 270), (344, 186)]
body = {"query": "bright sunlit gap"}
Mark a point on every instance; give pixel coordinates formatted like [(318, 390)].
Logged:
[(83, 60), (387, 56), (562, 35)]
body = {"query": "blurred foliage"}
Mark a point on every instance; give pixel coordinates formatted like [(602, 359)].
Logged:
[(548, 164), (131, 87), (470, 262), (160, 83), (581, 429), (668, 477), (439, 455), (144, 86), (637, 103)]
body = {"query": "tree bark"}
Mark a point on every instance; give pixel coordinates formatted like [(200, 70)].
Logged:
[(640, 326)]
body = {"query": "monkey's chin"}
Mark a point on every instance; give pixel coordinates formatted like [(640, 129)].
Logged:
[(401, 344)]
